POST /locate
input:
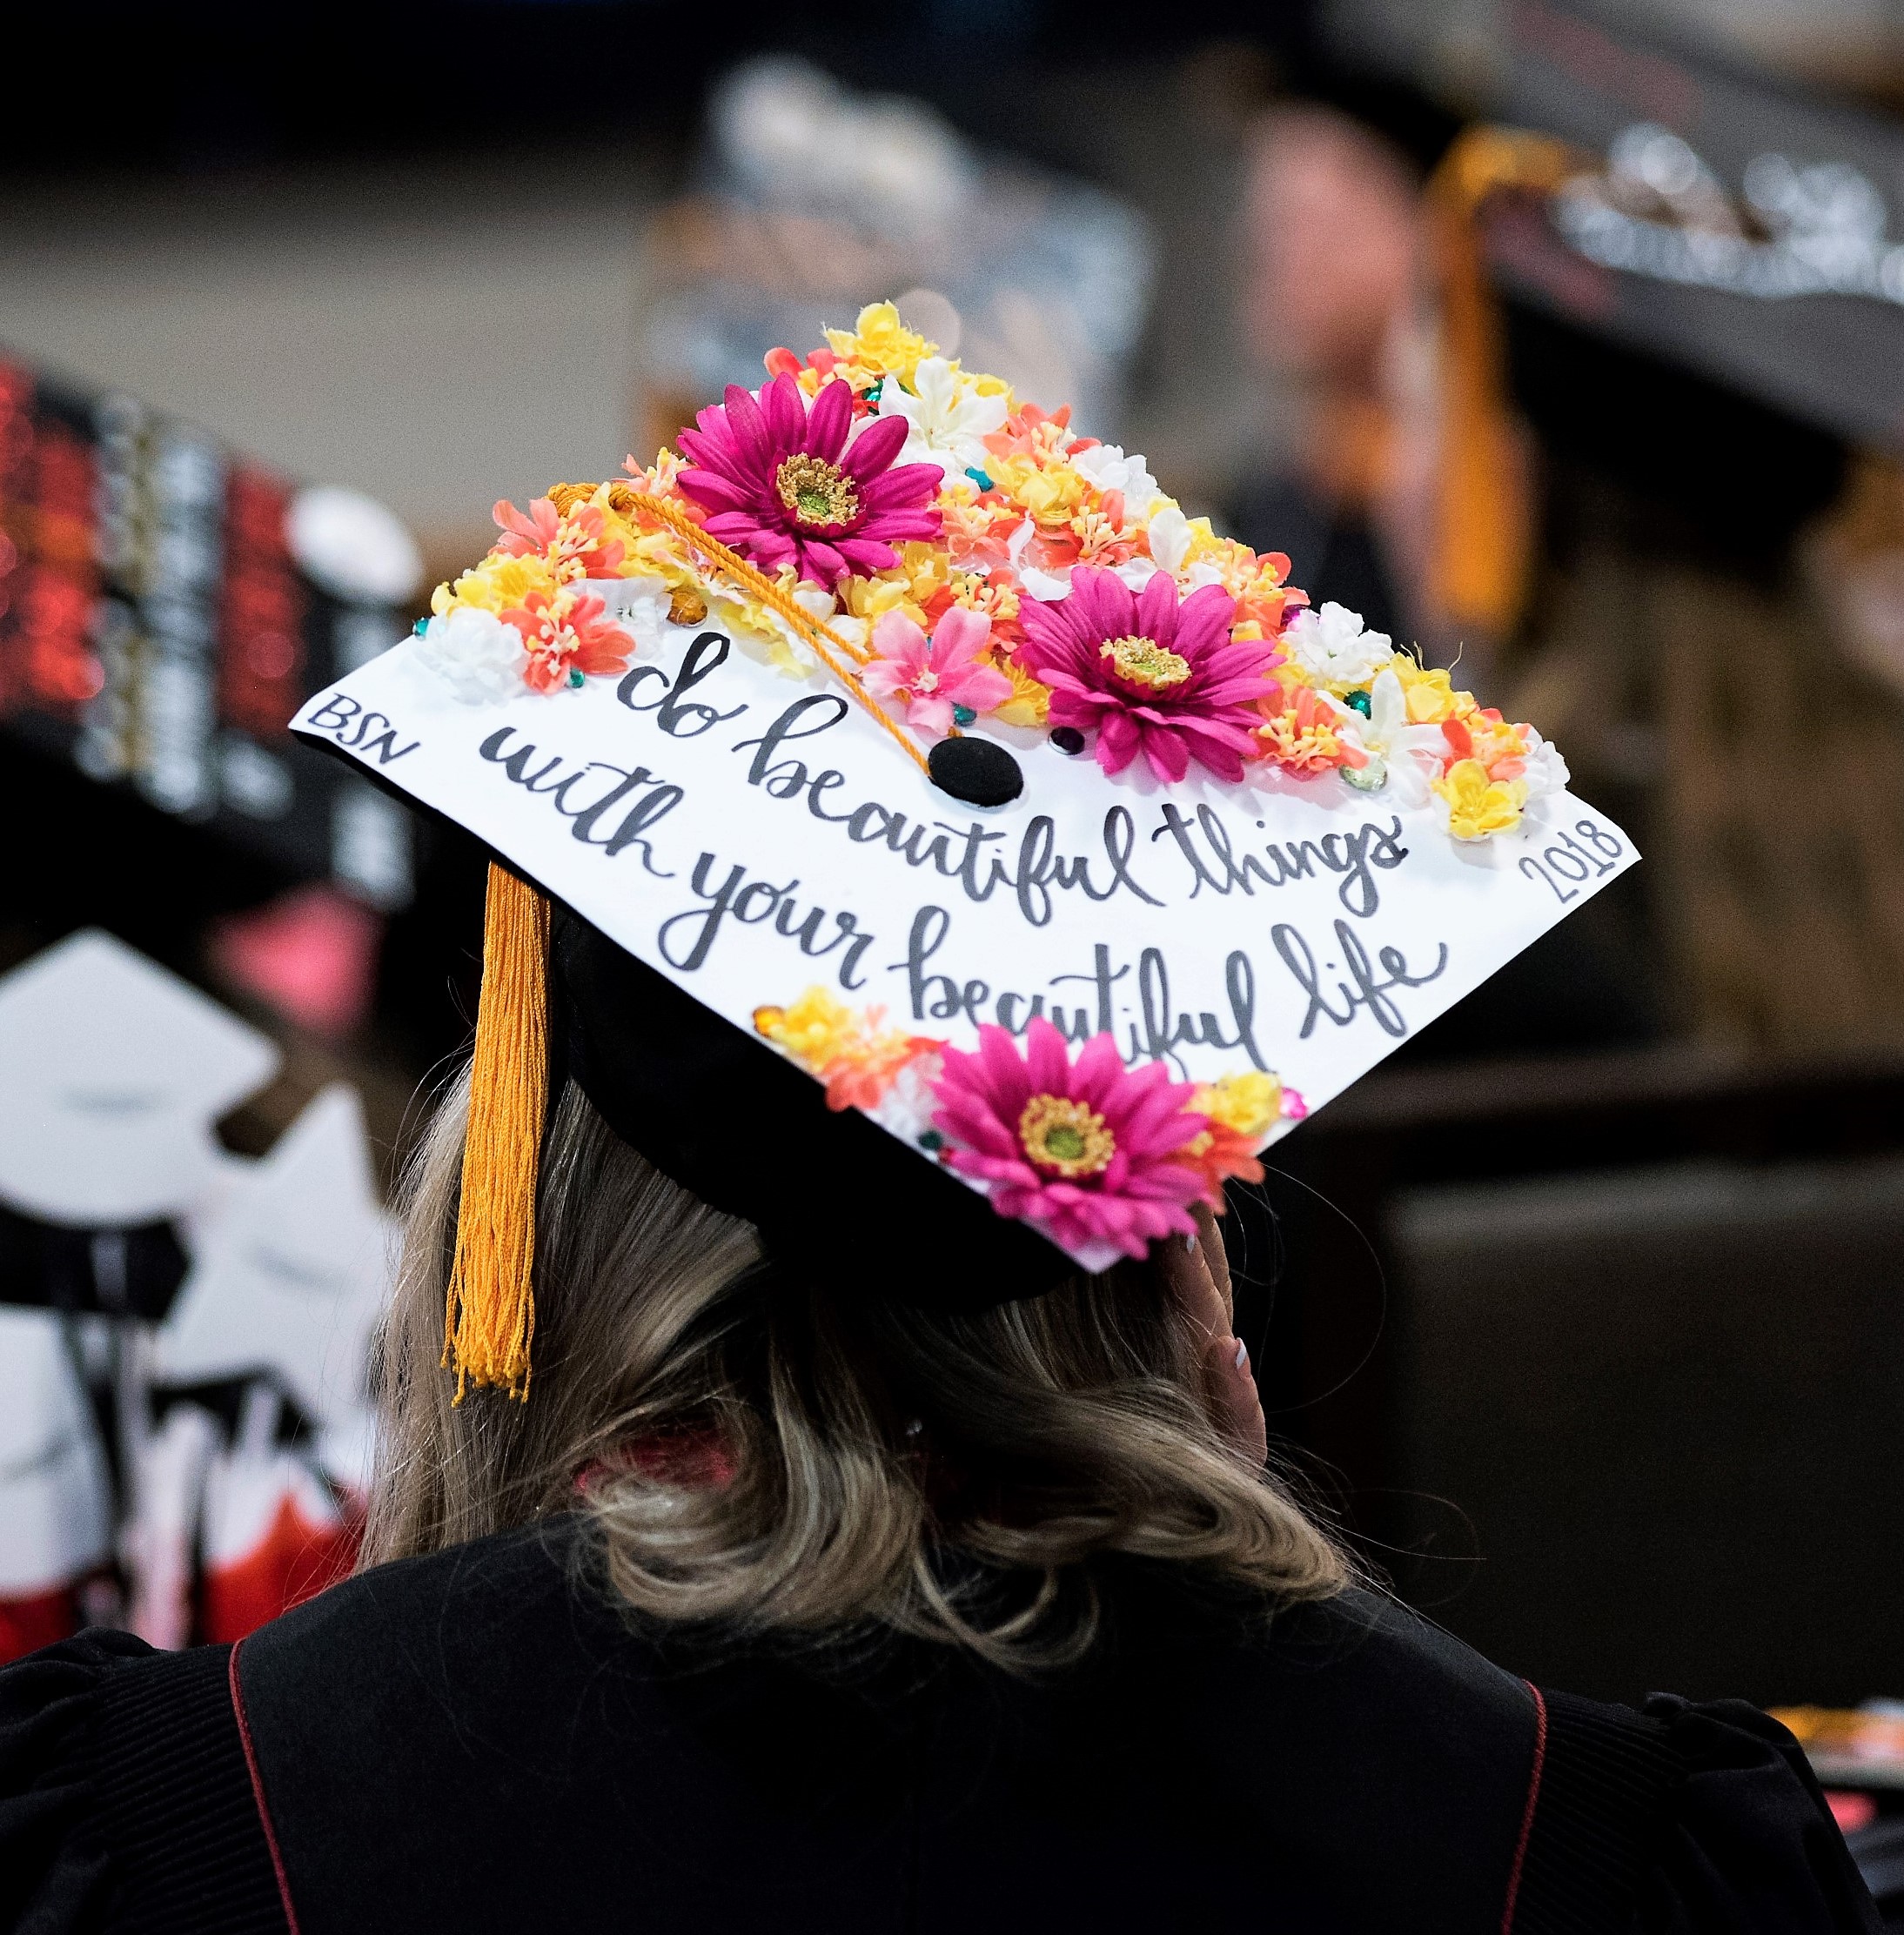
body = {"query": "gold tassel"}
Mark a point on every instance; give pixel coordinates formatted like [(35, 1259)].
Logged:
[(489, 1319), (1485, 539)]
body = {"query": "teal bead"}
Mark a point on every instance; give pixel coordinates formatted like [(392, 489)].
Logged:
[(963, 715), (575, 676), (419, 627), (1359, 702), (931, 1141), (874, 394), (979, 478)]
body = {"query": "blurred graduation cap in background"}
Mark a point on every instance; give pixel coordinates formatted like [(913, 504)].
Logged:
[(291, 1277), (181, 1369), (1705, 214), (114, 1072)]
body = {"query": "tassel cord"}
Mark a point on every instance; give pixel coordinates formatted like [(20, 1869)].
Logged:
[(827, 646)]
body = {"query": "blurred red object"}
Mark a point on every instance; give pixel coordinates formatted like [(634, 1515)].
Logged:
[(310, 954), (262, 655), (1851, 1812), (29, 1624), (297, 1557)]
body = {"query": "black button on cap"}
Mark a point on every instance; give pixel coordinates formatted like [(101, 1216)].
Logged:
[(1068, 739), (978, 771)]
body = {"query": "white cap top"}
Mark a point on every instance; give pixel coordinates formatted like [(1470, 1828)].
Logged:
[(113, 1073), (295, 1273)]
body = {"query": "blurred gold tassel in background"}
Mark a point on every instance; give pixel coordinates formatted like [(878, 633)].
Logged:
[(1484, 545)]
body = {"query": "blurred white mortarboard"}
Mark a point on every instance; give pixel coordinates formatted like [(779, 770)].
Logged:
[(113, 1073), (295, 1274)]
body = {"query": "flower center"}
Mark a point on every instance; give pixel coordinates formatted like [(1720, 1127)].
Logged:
[(926, 681), (1144, 662), (1065, 1137), (818, 493)]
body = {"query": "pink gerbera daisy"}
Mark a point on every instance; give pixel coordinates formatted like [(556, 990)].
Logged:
[(785, 485), (1092, 1154), (1150, 675)]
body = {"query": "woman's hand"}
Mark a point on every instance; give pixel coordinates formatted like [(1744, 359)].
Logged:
[(1197, 1273)]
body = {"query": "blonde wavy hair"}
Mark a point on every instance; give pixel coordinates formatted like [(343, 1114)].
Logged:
[(949, 1473)]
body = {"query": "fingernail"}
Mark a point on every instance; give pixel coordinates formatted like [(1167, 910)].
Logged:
[(1242, 1355), (1190, 1242)]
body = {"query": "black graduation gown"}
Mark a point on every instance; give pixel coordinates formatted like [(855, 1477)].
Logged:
[(478, 1740)]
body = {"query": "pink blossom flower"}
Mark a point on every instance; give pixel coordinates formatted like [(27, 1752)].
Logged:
[(1092, 1154), (573, 546), (785, 487), (1150, 675), (932, 678)]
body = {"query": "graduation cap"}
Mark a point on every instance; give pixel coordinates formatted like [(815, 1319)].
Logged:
[(1704, 213), (112, 1074), (294, 1274), (915, 835)]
